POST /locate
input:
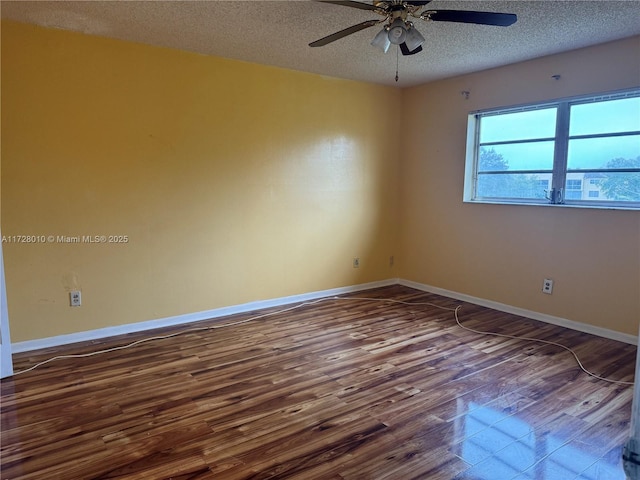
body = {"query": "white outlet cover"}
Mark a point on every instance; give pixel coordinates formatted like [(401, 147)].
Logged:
[(75, 297)]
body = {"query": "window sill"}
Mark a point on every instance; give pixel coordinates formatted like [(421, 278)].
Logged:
[(596, 206)]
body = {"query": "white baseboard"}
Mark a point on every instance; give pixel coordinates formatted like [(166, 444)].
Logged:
[(100, 333), (562, 322)]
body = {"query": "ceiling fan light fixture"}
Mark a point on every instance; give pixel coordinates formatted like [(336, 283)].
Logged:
[(381, 40), (397, 32), (414, 39)]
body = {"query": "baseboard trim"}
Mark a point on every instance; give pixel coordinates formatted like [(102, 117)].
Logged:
[(100, 333), (562, 322)]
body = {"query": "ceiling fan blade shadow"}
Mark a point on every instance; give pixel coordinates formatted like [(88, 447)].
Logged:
[(343, 33), (349, 3), (465, 16), (405, 50), (420, 3)]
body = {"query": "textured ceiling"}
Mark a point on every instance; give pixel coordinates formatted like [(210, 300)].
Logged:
[(278, 32)]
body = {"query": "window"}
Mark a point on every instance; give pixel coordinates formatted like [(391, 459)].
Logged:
[(573, 190), (583, 151), (574, 184), (543, 184)]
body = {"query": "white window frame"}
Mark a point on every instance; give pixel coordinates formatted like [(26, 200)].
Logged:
[(560, 172)]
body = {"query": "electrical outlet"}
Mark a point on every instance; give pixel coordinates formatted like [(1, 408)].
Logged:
[(391, 261), (356, 262), (547, 286), (75, 297)]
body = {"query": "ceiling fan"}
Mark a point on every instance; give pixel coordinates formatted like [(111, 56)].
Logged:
[(399, 30)]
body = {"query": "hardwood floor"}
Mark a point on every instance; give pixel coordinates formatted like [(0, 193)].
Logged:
[(343, 389)]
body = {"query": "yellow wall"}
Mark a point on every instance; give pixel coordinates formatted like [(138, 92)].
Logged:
[(502, 253), (237, 182), (233, 182)]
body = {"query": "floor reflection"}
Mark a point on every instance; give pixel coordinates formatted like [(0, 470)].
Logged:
[(503, 446)]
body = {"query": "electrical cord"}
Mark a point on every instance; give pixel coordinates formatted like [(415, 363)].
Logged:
[(481, 332), (170, 335), (314, 302), (546, 342)]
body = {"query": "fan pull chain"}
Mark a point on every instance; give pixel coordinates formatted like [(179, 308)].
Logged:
[(397, 56)]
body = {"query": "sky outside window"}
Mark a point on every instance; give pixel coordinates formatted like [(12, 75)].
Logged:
[(605, 117), (519, 126)]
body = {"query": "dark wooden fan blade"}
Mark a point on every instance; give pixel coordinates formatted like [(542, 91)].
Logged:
[(405, 50), (343, 33), (348, 3), (465, 16)]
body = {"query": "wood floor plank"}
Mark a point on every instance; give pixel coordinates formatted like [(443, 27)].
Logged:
[(356, 387)]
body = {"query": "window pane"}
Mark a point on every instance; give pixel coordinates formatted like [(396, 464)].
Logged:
[(604, 152), (512, 185), (516, 156), (613, 116), (613, 186), (518, 126)]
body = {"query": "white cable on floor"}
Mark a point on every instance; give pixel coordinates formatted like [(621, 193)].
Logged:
[(530, 339), (305, 304), (547, 342), (170, 335)]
